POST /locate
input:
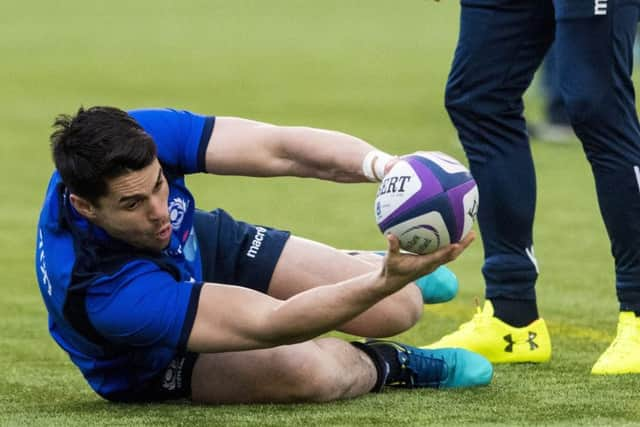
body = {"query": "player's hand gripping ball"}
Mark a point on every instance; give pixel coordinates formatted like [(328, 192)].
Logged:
[(428, 200)]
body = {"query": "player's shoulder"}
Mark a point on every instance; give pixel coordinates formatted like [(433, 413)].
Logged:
[(161, 118), (181, 136)]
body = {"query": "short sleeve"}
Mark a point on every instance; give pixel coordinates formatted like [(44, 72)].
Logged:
[(182, 137), (144, 306)]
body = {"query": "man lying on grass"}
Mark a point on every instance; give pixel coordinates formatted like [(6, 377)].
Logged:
[(154, 299)]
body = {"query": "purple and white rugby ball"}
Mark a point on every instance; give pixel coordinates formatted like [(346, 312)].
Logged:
[(428, 200)]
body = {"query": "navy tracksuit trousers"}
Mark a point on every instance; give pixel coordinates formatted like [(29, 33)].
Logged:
[(500, 46)]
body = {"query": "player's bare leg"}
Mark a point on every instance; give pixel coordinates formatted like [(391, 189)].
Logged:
[(306, 264), (314, 371), (329, 369)]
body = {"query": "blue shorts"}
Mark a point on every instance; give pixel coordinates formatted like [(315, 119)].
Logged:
[(237, 253), (234, 253), (173, 382)]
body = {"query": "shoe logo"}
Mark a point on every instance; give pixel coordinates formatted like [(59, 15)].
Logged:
[(510, 343), (532, 344), (530, 340)]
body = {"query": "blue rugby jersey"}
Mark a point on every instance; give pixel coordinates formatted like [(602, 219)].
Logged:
[(122, 314)]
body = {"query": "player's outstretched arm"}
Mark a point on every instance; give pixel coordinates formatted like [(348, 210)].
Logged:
[(245, 147), (232, 318)]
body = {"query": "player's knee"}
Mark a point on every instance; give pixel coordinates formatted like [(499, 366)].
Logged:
[(467, 106), (398, 312), (399, 321), (310, 377), (414, 307), (324, 385), (457, 103)]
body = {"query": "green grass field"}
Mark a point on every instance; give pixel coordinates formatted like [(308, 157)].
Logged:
[(375, 69)]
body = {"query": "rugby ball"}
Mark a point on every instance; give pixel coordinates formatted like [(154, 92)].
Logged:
[(428, 200)]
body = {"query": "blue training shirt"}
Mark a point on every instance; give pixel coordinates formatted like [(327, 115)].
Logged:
[(122, 314)]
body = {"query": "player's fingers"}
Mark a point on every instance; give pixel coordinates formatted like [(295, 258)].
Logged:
[(468, 239), (439, 257), (393, 243), (425, 264), (464, 243), (461, 246), (451, 252)]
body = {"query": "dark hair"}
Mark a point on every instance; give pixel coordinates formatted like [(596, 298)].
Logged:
[(98, 144)]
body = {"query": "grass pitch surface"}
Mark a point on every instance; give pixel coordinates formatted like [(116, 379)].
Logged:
[(375, 69)]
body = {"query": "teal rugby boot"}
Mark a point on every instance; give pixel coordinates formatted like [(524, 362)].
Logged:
[(441, 368), (439, 286)]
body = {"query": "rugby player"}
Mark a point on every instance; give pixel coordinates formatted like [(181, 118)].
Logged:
[(154, 299)]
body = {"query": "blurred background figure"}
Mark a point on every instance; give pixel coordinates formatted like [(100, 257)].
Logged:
[(555, 125)]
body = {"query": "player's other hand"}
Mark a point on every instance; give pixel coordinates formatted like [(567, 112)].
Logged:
[(400, 268)]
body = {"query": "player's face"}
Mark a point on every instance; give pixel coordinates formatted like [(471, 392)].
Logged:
[(135, 208)]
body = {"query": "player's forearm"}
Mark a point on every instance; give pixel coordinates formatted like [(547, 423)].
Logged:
[(323, 309), (231, 318), (245, 147), (324, 154)]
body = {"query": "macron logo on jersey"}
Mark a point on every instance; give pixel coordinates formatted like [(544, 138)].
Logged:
[(257, 242), (600, 7)]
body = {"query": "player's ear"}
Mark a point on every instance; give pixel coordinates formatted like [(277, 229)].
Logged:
[(83, 206)]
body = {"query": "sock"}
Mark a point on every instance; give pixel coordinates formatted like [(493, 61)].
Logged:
[(513, 312), (385, 359)]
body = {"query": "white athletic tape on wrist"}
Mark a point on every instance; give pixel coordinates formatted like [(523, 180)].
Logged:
[(373, 165)]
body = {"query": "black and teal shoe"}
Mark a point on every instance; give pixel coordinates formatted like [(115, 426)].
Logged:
[(441, 368)]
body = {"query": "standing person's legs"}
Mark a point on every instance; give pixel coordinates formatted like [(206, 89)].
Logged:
[(501, 44), (595, 61), (499, 49)]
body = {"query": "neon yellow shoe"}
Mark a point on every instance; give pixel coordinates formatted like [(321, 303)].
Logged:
[(623, 355), (498, 341)]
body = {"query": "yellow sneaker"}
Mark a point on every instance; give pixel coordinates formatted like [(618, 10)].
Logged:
[(623, 355), (498, 341)]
